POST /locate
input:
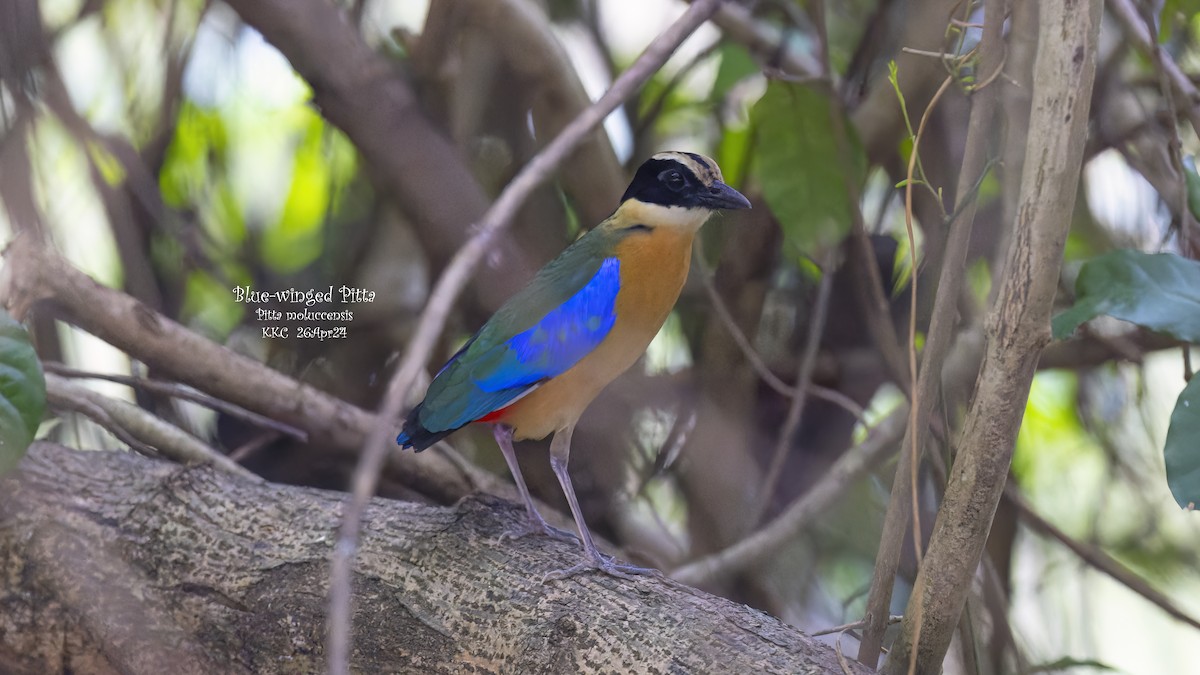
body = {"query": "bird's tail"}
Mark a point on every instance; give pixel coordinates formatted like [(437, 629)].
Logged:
[(415, 435)]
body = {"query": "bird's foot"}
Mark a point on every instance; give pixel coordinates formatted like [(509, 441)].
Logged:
[(538, 527), (605, 565)]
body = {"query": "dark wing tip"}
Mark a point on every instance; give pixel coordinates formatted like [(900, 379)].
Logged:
[(416, 436)]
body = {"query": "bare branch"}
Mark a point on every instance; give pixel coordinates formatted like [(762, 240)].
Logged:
[(893, 619), (1097, 558), (364, 95), (795, 413), (752, 356), (1090, 349), (128, 421), (520, 35), (1187, 221), (182, 392), (1139, 35), (141, 566), (736, 22), (33, 273)]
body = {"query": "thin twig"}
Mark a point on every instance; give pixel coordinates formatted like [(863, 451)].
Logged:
[(441, 299), (795, 413), (66, 401), (842, 662), (1097, 558), (737, 23), (754, 358), (655, 108), (893, 619), (942, 56), (1174, 142), (1175, 150), (129, 422), (184, 392), (912, 308), (917, 394), (258, 442), (849, 468)]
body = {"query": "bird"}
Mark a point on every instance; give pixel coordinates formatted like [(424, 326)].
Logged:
[(585, 318)]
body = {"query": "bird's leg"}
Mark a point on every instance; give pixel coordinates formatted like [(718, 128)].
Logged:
[(537, 524), (560, 452)]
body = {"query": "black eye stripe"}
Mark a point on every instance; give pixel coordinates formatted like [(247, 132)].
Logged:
[(655, 181)]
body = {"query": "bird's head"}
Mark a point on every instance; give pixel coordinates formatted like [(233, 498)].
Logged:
[(687, 185), (683, 179)]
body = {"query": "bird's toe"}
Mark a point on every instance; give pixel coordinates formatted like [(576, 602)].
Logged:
[(604, 565)]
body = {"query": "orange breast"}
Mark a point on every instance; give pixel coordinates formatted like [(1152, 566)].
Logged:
[(654, 266)]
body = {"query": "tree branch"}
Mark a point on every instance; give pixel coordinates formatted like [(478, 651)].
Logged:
[(120, 563), (1139, 35), (1097, 558), (522, 33), (183, 393), (795, 414), (1018, 327), (33, 273), (137, 427)]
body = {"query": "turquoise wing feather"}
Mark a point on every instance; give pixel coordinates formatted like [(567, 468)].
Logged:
[(565, 313)]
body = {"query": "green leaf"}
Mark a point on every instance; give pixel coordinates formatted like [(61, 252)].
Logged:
[(22, 392), (1160, 292), (1182, 449), (797, 155), (14, 437), (736, 65)]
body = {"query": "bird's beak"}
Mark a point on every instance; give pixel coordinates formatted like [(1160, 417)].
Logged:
[(721, 196)]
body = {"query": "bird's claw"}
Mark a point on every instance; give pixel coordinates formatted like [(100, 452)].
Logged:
[(605, 565)]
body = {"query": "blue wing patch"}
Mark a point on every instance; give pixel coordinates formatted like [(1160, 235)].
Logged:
[(481, 379), (564, 336)]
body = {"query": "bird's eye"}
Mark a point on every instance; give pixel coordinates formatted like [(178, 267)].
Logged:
[(674, 180)]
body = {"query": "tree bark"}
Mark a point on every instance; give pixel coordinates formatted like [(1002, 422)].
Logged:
[(115, 563)]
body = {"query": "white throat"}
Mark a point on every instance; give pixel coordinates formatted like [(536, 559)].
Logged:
[(657, 215)]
